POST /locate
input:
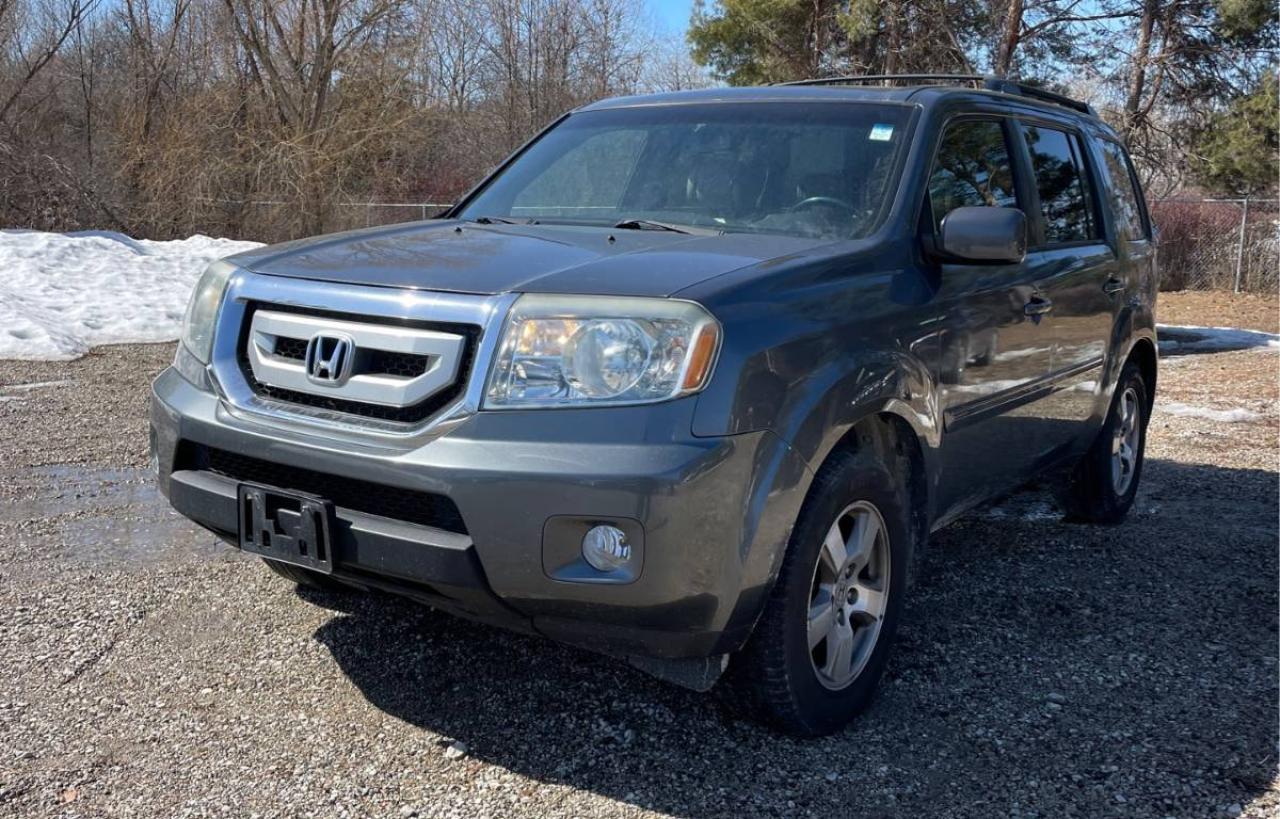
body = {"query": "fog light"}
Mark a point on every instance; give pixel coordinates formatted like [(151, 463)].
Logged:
[(606, 548)]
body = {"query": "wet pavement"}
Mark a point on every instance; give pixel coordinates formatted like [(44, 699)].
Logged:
[(105, 517)]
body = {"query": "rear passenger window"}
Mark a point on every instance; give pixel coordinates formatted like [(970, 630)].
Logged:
[(1124, 193), (1061, 181), (972, 170)]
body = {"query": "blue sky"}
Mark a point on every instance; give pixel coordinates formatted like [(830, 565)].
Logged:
[(672, 14)]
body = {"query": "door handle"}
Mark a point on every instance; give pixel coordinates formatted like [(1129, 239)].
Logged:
[(1112, 286), (1038, 306)]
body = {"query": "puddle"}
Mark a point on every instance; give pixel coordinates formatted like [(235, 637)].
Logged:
[(109, 517), (109, 540), (65, 489)]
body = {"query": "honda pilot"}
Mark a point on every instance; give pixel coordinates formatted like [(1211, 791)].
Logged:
[(689, 379)]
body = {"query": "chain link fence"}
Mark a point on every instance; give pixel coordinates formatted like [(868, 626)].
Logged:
[(1219, 244), (388, 213)]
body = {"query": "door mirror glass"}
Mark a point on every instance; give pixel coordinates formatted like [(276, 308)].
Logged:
[(984, 234)]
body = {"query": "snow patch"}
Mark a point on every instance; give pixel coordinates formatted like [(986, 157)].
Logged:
[(1178, 339), (1236, 415), (63, 293), (1031, 508)]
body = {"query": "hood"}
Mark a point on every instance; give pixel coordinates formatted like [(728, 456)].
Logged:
[(465, 257)]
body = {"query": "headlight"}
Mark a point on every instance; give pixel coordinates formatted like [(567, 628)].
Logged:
[(202, 310), (597, 350)]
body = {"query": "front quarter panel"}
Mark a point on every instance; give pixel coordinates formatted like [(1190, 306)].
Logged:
[(810, 351)]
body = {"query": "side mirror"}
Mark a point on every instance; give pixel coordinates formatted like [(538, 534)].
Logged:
[(984, 234)]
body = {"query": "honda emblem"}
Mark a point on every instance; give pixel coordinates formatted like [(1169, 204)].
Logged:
[(329, 359)]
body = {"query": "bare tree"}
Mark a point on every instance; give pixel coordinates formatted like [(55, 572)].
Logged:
[(31, 34), (166, 117), (670, 68), (295, 50)]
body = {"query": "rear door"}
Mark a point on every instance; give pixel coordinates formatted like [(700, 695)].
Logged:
[(995, 348), (1078, 271), (1130, 224)]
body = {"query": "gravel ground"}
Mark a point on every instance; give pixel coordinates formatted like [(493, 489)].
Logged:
[(1044, 669)]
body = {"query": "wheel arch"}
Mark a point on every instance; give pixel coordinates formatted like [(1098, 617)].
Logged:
[(1133, 339), (1143, 353), (885, 429), (889, 401), (896, 441), (893, 434)]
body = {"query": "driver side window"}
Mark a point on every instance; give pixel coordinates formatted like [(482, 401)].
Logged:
[(972, 169)]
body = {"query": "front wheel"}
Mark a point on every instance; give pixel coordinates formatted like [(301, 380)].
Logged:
[(1105, 482), (822, 642)]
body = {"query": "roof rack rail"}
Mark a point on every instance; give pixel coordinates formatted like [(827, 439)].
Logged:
[(1045, 95), (977, 80), (986, 82)]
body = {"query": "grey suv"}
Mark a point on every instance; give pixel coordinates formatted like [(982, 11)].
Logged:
[(690, 378)]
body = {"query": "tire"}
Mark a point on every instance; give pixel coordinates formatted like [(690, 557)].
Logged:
[(1105, 482), (304, 577), (777, 677)]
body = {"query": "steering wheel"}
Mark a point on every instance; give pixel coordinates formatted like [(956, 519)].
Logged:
[(828, 201)]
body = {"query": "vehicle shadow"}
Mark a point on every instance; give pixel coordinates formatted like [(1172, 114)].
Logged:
[(1042, 665)]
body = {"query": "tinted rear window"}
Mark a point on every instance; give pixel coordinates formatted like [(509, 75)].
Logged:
[(1125, 201), (1062, 182)]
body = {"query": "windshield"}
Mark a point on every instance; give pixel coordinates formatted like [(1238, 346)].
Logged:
[(822, 170)]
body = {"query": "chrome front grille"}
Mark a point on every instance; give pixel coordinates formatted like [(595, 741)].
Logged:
[(385, 365), (398, 372), (376, 361), (413, 362)]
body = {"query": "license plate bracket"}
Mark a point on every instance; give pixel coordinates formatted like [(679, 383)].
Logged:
[(290, 527)]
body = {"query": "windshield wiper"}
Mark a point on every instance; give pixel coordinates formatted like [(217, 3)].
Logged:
[(499, 220), (650, 224)]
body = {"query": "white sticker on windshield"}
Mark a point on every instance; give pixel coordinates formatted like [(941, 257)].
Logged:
[(881, 132)]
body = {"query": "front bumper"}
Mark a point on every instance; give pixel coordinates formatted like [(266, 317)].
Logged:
[(714, 512)]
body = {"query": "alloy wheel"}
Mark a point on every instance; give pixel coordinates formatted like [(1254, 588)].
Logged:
[(1124, 442), (849, 595)]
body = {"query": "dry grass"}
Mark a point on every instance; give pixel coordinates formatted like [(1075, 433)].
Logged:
[(1217, 308), (1247, 379)]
